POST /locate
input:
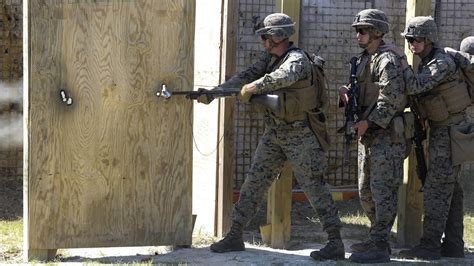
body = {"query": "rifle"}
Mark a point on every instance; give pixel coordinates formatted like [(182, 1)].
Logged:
[(350, 110), (418, 137), (269, 101)]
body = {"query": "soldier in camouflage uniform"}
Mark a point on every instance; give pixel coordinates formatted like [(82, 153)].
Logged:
[(464, 58), (442, 99), (382, 145), (286, 137)]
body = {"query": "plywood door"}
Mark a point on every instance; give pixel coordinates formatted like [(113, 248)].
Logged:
[(113, 169)]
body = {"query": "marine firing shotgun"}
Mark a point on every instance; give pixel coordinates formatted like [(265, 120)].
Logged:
[(351, 110), (268, 100)]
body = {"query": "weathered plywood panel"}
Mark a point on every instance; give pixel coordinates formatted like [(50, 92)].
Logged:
[(113, 169)]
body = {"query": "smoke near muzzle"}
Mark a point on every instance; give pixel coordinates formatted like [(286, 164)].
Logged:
[(11, 114)]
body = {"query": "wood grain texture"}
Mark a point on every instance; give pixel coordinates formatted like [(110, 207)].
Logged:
[(226, 150), (410, 200), (113, 169)]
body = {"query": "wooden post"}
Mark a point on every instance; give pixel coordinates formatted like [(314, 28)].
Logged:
[(226, 148), (410, 202), (279, 196)]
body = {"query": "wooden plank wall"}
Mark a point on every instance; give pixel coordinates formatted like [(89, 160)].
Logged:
[(113, 169)]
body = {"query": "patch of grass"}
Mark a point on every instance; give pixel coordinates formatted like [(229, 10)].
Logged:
[(11, 239), (469, 229), (359, 219), (356, 219), (203, 240)]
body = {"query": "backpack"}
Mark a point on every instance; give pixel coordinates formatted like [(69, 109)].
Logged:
[(467, 72)]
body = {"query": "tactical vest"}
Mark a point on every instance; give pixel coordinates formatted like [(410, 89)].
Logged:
[(299, 98), (445, 103), (369, 83), (445, 100)]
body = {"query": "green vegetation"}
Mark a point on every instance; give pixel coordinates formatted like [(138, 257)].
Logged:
[(11, 240)]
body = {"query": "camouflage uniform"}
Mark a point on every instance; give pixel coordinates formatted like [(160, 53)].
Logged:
[(442, 194), (381, 154), (288, 136), (381, 102), (281, 141)]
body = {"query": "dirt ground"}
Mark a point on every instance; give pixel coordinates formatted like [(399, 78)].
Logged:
[(307, 235)]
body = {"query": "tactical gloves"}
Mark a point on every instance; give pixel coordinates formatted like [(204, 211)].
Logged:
[(246, 92), (205, 98)]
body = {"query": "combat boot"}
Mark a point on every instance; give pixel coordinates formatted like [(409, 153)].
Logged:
[(232, 241), (334, 249), (362, 246), (378, 253), (365, 246), (420, 252), (451, 251)]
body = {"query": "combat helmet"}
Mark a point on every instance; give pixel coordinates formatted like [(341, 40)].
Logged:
[(371, 18), (278, 24), (467, 45), (422, 27)]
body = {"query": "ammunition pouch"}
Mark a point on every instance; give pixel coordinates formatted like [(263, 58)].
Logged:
[(444, 100), (317, 122), (297, 100), (409, 123), (462, 143), (402, 129), (433, 108)]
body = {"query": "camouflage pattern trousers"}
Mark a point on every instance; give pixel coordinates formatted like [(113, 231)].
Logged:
[(380, 174), (297, 143), (442, 195)]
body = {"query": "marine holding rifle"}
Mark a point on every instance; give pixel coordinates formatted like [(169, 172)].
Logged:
[(442, 100), (379, 127), (286, 71)]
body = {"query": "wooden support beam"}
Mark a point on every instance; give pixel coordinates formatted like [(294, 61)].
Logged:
[(410, 202), (279, 196), (291, 8), (226, 148)]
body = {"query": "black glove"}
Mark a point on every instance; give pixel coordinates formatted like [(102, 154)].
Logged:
[(205, 98)]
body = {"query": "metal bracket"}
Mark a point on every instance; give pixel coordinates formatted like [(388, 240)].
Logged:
[(164, 92)]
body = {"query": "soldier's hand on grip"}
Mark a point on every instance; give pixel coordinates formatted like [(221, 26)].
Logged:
[(343, 97), (246, 92), (204, 97), (361, 127)]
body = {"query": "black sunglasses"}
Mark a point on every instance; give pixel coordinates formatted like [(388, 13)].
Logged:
[(412, 39), (265, 37), (362, 31)]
